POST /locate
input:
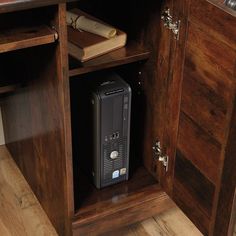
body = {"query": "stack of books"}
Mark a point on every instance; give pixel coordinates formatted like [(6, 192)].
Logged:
[(84, 45)]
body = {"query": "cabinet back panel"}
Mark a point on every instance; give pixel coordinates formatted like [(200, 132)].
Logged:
[(34, 17), (141, 22)]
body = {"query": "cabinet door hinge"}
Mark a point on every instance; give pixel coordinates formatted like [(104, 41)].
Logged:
[(158, 155), (169, 23)]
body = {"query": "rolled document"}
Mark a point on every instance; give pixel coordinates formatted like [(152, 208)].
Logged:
[(86, 24)]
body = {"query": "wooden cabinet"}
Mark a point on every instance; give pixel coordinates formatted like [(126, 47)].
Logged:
[(183, 100)]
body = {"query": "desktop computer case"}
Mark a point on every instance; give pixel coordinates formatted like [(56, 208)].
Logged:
[(111, 102)]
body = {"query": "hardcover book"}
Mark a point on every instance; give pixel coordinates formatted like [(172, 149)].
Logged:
[(84, 45)]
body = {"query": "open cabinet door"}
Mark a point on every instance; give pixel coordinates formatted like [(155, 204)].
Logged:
[(174, 15), (200, 114)]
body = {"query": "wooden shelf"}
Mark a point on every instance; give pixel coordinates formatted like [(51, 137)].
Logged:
[(25, 37), (9, 88), (132, 52), (98, 208), (16, 5)]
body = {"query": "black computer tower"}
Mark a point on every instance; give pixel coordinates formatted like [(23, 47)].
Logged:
[(111, 110)]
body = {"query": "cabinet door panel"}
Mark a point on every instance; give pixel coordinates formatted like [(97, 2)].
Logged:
[(194, 194), (198, 147), (206, 113), (219, 22), (208, 80)]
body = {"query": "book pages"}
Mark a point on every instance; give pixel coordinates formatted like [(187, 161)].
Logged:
[(86, 24)]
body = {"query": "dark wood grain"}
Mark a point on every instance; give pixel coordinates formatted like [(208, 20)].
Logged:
[(208, 95), (16, 5), (159, 98), (135, 213), (208, 80), (133, 205), (37, 124), (20, 38), (190, 207), (226, 214), (90, 198), (197, 185), (197, 146), (215, 19), (9, 88), (132, 52), (64, 99), (173, 83)]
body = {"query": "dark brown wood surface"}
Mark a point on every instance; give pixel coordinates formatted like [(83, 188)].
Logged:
[(121, 218), (90, 198), (20, 38), (173, 87), (159, 97), (132, 52), (200, 146), (194, 194), (15, 5), (208, 95), (9, 88), (37, 126), (120, 205), (226, 206)]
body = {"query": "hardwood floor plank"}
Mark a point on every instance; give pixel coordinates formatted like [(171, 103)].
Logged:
[(169, 223), (174, 222), (131, 230), (153, 228), (3, 230), (20, 212)]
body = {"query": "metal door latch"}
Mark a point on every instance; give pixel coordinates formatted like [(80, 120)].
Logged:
[(159, 155), (170, 24)]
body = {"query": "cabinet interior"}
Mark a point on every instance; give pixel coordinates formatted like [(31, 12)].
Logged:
[(136, 64), (31, 47), (22, 43)]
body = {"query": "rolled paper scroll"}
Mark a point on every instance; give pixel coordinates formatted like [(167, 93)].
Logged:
[(86, 24)]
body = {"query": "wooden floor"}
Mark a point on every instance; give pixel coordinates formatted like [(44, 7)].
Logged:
[(21, 214)]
